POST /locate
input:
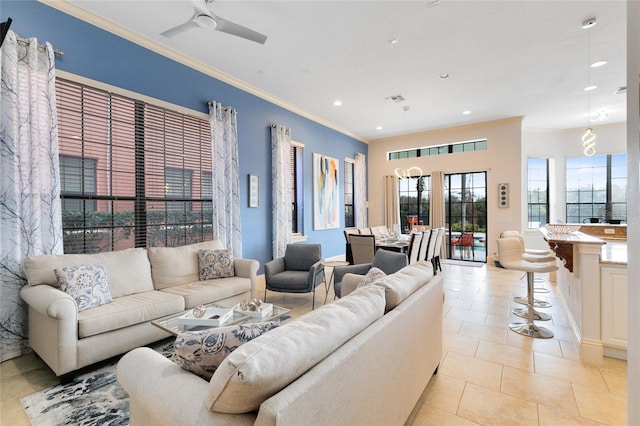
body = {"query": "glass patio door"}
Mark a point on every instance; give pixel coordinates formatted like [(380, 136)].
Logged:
[(465, 198)]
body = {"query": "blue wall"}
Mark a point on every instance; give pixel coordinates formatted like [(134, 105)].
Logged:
[(99, 55)]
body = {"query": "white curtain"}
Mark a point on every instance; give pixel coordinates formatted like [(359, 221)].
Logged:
[(391, 205), (282, 197), (30, 217), (225, 177), (436, 209), (360, 191)]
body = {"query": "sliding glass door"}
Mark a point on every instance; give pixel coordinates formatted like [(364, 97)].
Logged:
[(466, 216)]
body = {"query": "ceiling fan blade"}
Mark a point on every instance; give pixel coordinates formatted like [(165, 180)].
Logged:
[(238, 30), (179, 29)]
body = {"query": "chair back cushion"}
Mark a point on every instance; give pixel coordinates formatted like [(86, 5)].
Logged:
[(262, 367), (389, 261), (363, 248), (300, 257)]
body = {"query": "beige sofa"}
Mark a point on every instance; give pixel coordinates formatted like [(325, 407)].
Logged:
[(144, 284), (346, 363)]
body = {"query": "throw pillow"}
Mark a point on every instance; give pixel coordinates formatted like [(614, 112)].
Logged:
[(201, 352), (373, 275), (87, 284), (215, 264)]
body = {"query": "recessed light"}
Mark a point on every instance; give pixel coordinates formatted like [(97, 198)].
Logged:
[(588, 23), (444, 75), (467, 112), (598, 64), (393, 41), (379, 128), (590, 88), (337, 102)]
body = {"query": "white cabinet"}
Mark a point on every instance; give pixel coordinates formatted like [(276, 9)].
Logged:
[(613, 280)]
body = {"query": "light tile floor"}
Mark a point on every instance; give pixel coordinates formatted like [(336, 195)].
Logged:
[(488, 375)]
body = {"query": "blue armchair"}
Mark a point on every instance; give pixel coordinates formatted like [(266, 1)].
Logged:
[(299, 271)]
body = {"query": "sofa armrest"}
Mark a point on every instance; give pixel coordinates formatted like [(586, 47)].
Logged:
[(50, 301), (350, 283), (340, 271), (53, 326), (247, 268), (273, 267), (161, 392)]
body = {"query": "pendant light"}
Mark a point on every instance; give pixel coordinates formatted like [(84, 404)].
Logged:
[(589, 137)]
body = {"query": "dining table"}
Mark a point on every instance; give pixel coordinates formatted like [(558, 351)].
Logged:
[(400, 244)]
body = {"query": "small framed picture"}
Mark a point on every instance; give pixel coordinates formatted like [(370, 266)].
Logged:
[(254, 186)]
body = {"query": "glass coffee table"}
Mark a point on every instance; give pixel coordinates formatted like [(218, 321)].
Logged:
[(173, 325)]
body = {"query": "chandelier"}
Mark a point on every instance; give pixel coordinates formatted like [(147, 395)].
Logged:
[(589, 137), (408, 173)]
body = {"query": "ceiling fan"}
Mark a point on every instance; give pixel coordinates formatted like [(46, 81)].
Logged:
[(204, 18)]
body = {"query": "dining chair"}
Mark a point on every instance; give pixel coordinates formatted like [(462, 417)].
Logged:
[(437, 249), (424, 245), (363, 248), (364, 231), (414, 247), (380, 231)]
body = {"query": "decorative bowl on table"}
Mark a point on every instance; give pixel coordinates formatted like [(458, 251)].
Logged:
[(562, 228)]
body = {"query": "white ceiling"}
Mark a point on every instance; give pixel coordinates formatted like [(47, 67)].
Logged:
[(505, 58)]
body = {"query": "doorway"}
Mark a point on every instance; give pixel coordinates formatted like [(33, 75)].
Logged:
[(465, 198)]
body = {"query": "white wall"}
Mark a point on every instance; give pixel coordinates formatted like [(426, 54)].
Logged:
[(502, 161)]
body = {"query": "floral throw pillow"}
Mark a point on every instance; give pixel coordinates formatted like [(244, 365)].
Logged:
[(215, 264), (373, 275), (202, 352), (87, 284)]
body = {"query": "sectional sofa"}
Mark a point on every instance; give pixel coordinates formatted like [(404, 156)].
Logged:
[(144, 284), (364, 359)]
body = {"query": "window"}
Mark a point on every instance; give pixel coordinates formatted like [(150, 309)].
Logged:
[(78, 183), (297, 182), (414, 201), (349, 218), (177, 186), (142, 172), (597, 188), (479, 145), (537, 192)]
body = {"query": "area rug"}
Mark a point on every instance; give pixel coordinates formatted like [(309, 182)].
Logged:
[(464, 263), (93, 398)]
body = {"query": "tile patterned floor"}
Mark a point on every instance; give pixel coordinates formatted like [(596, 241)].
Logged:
[(488, 375)]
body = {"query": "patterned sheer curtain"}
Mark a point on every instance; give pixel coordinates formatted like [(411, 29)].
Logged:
[(282, 197), (436, 209), (30, 212), (360, 192), (391, 206), (225, 177)]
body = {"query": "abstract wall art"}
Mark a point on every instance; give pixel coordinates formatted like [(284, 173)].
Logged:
[(326, 208)]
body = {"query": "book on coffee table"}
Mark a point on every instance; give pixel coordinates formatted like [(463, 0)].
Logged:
[(213, 317)]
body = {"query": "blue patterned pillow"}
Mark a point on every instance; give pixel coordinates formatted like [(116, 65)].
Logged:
[(215, 264), (201, 352), (87, 284)]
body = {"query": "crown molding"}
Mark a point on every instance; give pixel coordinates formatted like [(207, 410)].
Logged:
[(117, 29)]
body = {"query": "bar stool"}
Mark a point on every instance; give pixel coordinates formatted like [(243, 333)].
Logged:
[(532, 255), (510, 257)]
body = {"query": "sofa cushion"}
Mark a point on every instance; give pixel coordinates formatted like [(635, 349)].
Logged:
[(214, 264), (372, 276), (201, 352), (128, 310), (262, 367), (87, 284), (171, 266), (128, 271), (400, 285), (202, 292)]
